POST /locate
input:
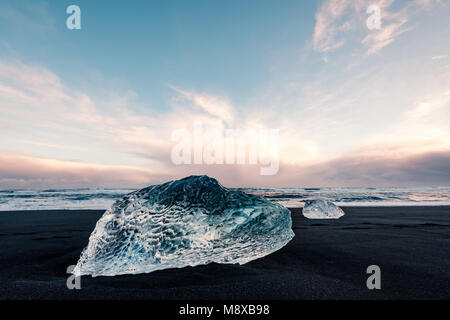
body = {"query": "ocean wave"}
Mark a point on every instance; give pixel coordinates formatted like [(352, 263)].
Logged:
[(286, 196), (99, 198), (364, 198)]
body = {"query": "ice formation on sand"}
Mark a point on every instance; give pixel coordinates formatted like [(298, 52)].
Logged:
[(187, 222), (321, 209)]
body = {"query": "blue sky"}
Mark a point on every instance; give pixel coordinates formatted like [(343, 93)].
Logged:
[(219, 46), (97, 106)]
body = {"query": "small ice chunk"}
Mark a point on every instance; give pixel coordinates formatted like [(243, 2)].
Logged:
[(321, 209)]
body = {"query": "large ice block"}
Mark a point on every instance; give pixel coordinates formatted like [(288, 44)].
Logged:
[(187, 222)]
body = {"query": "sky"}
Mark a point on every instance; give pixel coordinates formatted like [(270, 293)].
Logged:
[(97, 107)]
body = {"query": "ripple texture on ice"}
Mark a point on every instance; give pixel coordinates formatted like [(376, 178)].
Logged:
[(321, 209), (187, 222)]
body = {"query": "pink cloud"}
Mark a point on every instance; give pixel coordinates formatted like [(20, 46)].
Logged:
[(353, 170), (336, 18), (20, 171)]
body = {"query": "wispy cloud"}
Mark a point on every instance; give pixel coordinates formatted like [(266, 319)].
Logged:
[(324, 121), (40, 114), (336, 19), (329, 25), (219, 107), (440, 57), (356, 170), (378, 40), (33, 17), (35, 98), (31, 172), (343, 119)]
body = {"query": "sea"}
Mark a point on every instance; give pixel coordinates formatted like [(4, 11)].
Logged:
[(99, 198)]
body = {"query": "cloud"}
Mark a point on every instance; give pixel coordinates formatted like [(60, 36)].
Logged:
[(39, 109), (376, 41), (31, 17), (54, 135), (29, 172), (428, 4), (327, 25), (422, 128), (423, 169), (428, 108), (351, 170), (39, 113), (336, 19), (42, 118), (439, 57), (215, 106)]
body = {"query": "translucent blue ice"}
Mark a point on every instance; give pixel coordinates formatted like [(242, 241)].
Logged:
[(188, 222)]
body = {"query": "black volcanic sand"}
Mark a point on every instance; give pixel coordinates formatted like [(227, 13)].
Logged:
[(327, 259)]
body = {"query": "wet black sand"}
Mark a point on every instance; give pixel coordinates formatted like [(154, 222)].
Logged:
[(325, 260)]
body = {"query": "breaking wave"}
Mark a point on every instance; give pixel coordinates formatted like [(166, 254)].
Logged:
[(101, 199)]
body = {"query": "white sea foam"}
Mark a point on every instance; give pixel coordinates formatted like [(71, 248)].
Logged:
[(102, 199)]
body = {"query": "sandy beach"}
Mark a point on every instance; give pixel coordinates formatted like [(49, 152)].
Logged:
[(327, 259)]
